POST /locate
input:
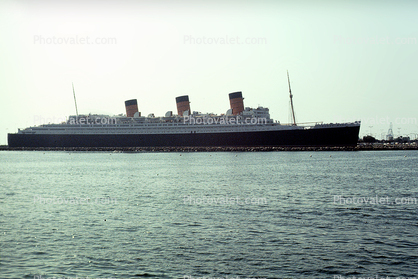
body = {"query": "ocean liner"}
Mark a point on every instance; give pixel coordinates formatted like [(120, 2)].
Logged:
[(239, 127)]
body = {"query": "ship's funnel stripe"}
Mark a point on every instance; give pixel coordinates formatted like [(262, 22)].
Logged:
[(131, 102), (184, 98), (235, 95)]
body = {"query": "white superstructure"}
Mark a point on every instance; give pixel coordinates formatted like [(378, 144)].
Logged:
[(249, 121)]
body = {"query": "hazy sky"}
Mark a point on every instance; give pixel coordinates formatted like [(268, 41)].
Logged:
[(348, 60)]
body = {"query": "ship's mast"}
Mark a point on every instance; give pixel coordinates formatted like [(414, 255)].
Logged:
[(75, 101), (291, 101)]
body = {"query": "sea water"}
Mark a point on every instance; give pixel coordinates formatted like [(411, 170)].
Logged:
[(208, 214)]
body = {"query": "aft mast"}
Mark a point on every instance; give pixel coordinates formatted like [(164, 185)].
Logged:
[(75, 101), (291, 101)]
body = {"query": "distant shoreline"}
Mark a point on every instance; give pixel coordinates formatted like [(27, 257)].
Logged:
[(359, 147)]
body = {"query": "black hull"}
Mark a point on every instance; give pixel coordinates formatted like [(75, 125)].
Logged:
[(335, 136)]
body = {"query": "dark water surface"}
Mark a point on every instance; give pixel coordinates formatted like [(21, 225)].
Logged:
[(226, 214)]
